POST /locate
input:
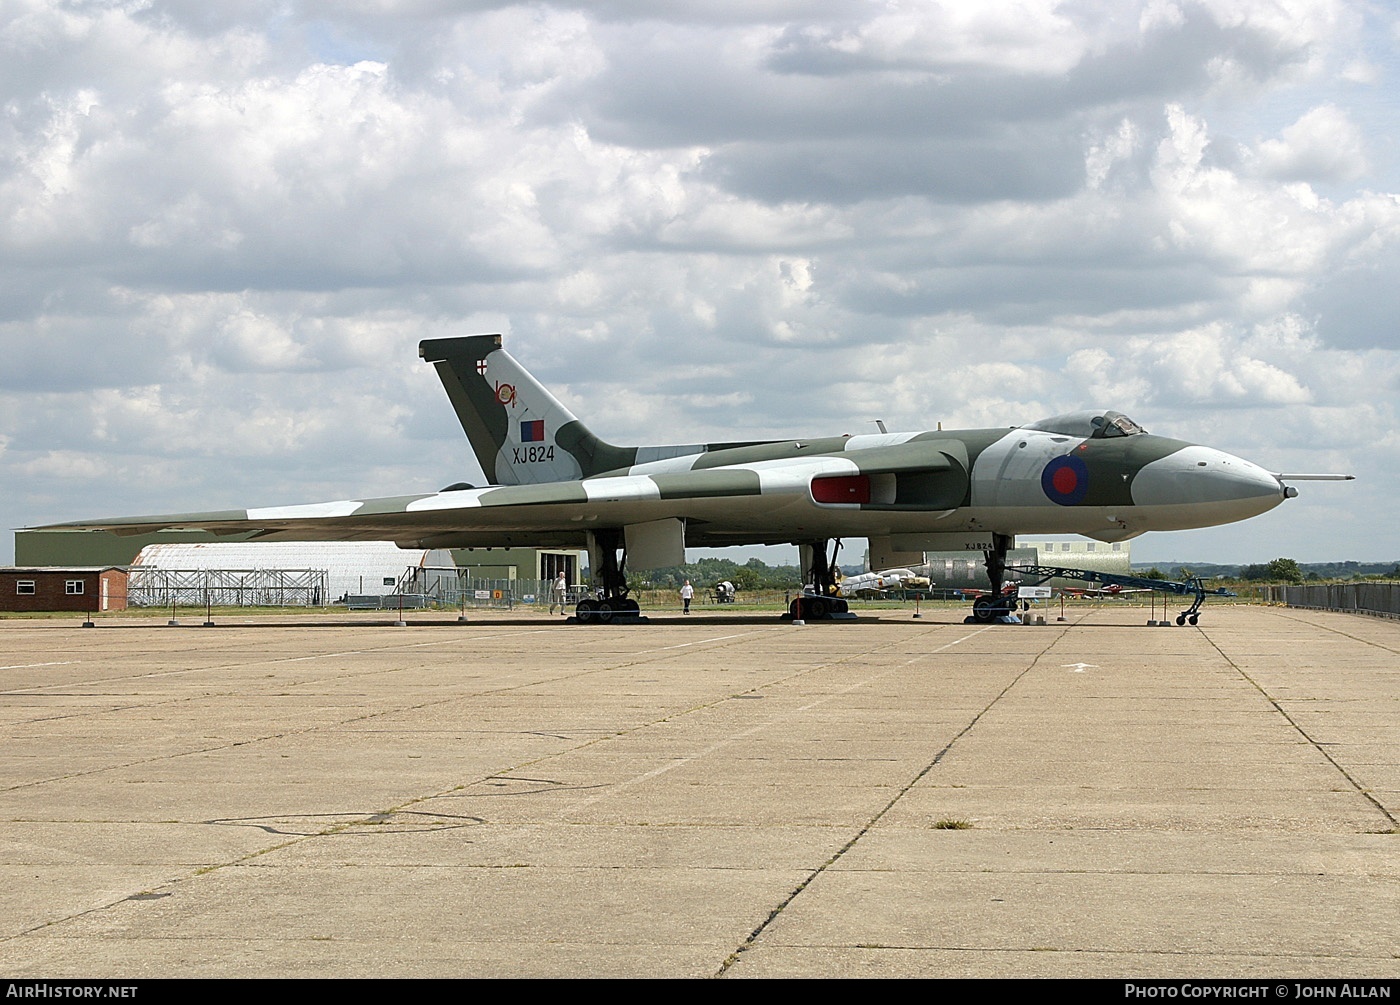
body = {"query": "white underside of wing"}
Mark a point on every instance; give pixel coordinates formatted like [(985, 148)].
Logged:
[(306, 511)]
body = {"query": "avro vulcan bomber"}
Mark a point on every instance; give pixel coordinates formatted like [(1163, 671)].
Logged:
[(554, 483)]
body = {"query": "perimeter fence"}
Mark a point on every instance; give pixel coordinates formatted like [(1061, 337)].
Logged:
[(448, 587), (1381, 599)]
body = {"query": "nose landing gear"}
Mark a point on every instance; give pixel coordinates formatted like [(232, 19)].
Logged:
[(999, 604)]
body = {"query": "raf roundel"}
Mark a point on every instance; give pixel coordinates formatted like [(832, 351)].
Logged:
[(1065, 480)]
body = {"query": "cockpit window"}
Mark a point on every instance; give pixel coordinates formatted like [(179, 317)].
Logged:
[(1118, 424), (1089, 425)]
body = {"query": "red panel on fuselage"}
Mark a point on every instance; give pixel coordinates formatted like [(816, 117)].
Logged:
[(842, 489)]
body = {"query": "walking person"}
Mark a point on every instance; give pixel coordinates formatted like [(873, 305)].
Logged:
[(559, 594), (687, 592)]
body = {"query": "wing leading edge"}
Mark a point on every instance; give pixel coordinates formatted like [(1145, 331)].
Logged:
[(751, 503)]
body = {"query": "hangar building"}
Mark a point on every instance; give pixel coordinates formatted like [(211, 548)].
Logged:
[(279, 572), (966, 570)]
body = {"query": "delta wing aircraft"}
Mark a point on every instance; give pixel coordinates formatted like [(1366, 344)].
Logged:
[(556, 484)]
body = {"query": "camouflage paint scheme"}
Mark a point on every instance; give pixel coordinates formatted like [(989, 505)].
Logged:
[(554, 481)]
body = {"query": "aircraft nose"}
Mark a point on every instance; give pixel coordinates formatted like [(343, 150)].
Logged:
[(1212, 484)]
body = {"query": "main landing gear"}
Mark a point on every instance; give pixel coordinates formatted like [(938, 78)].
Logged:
[(997, 604), (613, 603), (818, 600)]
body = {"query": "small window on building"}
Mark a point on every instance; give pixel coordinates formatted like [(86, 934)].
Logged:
[(1065, 546), (1090, 546), (72, 587), (25, 587), (1117, 547)]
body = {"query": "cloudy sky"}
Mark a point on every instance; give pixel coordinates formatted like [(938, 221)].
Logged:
[(226, 226)]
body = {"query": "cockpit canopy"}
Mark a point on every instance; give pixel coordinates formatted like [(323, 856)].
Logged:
[(1089, 425)]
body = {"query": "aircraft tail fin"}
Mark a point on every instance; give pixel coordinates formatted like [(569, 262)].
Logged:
[(520, 432)]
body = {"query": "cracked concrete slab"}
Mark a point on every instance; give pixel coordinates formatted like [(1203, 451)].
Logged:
[(722, 796)]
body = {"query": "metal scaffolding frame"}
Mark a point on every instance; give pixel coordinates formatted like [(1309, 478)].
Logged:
[(152, 586), (417, 586)]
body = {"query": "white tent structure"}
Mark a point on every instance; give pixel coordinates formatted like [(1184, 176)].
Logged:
[(308, 573)]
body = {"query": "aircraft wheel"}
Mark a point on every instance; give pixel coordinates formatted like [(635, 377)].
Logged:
[(604, 611), (816, 608), (984, 609), (1181, 619), (630, 606), (1193, 618), (584, 611)]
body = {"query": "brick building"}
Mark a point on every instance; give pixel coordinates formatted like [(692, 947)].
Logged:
[(83, 589)]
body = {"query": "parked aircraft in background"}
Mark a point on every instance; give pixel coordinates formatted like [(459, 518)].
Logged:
[(879, 582), (556, 484), (1111, 590)]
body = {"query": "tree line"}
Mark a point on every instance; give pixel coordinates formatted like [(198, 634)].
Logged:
[(704, 573), (1279, 570)]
